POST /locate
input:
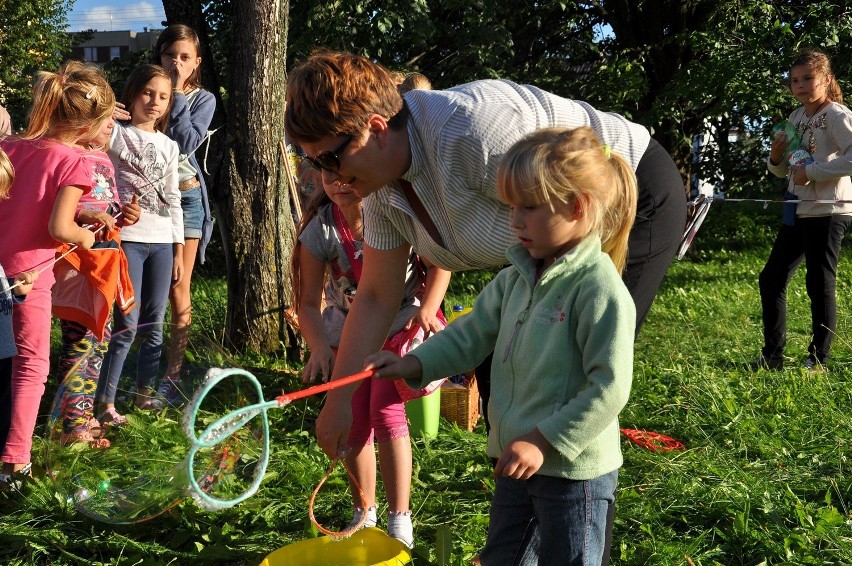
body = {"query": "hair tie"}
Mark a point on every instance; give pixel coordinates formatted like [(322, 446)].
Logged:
[(91, 93), (607, 151)]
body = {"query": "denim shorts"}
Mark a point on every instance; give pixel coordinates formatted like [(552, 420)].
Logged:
[(193, 212)]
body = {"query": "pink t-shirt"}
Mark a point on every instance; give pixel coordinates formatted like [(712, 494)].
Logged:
[(42, 167), (104, 193)]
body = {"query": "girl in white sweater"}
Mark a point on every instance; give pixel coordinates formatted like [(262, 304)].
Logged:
[(146, 162)]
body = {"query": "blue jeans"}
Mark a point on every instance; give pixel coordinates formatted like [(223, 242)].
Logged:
[(550, 521), (150, 267)]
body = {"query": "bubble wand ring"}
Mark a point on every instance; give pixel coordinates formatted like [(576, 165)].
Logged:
[(227, 425)]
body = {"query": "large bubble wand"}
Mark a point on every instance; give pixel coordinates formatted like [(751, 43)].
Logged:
[(222, 428)]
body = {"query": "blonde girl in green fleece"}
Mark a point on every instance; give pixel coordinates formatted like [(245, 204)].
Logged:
[(560, 323)]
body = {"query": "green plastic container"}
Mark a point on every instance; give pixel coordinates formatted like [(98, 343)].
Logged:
[(424, 414)]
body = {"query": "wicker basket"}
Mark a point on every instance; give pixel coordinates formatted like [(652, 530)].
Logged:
[(460, 404)]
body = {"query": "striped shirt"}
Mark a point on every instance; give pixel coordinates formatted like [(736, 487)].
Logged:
[(457, 138)]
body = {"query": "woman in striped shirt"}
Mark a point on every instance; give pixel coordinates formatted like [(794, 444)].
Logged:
[(426, 167)]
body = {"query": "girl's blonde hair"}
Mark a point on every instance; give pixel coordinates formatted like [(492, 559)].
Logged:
[(820, 62), (179, 32), (570, 165), (135, 85), (69, 103), (7, 175)]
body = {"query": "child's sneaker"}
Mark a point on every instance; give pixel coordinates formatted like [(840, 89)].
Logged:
[(168, 394), (358, 513), (400, 528)]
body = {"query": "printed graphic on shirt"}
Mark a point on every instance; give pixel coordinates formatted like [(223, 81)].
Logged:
[(345, 283), (149, 184)]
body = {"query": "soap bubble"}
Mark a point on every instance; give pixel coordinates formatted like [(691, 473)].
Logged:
[(143, 471)]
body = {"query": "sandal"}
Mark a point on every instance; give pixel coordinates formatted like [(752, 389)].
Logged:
[(15, 481), (83, 435), (111, 417)]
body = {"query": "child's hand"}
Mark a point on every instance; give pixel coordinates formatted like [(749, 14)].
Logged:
[(177, 268), (392, 366), (97, 220), (131, 211), (523, 456), (799, 175), (780, 143), (119, 113), (320, 364), (428, 321), (24, 282)]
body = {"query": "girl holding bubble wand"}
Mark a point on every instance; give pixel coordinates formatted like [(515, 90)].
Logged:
[(51, 176), (146, 162), (561, 323), (85, 328), (817, 165)]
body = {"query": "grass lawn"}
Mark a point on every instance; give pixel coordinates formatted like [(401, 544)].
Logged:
[(764, 478)]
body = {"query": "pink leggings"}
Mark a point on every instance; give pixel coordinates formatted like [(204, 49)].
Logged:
[(376, 406), (30, 368)]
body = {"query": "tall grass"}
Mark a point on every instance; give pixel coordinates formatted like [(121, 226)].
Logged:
[(764, 478)]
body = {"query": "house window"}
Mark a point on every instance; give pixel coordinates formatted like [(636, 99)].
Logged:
[(90, 54), (114, 53)]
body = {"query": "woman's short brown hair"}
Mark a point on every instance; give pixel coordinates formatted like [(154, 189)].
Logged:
[(334, 94)]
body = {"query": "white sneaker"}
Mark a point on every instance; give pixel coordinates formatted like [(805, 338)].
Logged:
[(357, 513), (400, 528)]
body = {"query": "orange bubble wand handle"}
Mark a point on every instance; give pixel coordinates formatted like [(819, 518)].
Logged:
[(333, 384)]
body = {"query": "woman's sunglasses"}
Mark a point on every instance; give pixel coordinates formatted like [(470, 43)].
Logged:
[(329, 160)]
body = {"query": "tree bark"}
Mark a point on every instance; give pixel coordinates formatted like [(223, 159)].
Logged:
[(256, 211)]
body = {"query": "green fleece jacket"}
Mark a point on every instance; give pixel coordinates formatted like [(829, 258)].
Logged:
[(563, 357)]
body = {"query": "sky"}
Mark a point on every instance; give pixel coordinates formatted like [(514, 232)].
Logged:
[(112, 15)]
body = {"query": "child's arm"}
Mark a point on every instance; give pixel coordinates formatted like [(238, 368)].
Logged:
[(61, 224), (437, 281), (311, 282), (189, 126)]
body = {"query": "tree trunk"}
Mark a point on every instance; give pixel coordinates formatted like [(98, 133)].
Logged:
[(256, 209)]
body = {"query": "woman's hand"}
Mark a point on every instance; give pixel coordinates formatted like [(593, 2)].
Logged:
[(320, 364), (523, 456)]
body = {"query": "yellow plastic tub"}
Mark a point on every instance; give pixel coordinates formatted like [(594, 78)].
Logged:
[(367, 547)]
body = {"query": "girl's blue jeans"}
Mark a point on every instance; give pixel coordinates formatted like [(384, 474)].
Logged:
[(547, 521), (150, 267)]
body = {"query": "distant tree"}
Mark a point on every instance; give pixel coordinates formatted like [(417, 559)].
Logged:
[(32, 38)]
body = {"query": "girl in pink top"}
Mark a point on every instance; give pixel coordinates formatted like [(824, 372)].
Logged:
[(51, 176)]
